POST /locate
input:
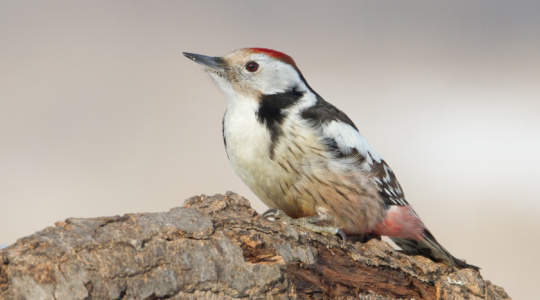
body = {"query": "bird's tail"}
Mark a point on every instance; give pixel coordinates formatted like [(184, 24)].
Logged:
[(429, 247)]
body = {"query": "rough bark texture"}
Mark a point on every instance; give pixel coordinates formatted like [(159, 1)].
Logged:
[(218, 247)]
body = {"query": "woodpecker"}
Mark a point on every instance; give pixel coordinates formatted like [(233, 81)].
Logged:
[(305, 159)]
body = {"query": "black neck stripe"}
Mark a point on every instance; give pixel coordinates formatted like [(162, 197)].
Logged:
[(271, 112)]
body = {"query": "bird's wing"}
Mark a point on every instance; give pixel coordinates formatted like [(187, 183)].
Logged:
[(387, 183), (345, 140)]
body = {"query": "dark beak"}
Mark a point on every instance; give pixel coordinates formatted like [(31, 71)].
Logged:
[(216, 63)]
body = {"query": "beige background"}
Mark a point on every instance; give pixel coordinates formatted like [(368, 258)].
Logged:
[(100, 114)]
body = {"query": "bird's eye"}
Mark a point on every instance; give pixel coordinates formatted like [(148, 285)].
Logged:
[(252, 66)]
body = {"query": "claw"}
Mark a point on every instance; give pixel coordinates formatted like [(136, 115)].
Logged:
[(306, 223), (271, 213), (343, 236)]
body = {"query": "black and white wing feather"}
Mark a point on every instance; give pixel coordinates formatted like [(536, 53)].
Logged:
[(345, 140)]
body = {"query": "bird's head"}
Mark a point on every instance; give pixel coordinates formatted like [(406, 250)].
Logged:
[(253, 73)]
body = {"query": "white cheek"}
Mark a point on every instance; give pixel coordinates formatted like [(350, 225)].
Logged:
[(277, 77)]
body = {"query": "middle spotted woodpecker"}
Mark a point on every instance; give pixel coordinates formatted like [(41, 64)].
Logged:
[(305, 159)]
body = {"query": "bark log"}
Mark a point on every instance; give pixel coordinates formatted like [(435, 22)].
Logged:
[(218, 247)]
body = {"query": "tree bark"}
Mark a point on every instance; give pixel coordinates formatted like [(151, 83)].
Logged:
[(218, 247)]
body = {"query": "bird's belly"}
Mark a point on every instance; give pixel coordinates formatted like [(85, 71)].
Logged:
[(272, 177), (301, 177), (265, 177)]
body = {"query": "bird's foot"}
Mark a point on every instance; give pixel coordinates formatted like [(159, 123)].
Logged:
[(306, 223)]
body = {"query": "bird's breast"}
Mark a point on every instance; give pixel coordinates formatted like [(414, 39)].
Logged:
[(247, 143), (271, 168)]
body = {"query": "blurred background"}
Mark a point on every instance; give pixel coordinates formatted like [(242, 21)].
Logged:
[(100, 114)]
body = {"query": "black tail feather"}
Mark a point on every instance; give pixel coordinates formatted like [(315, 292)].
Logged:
[(430, 248)]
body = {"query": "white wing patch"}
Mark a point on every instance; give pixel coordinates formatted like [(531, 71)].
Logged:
[(348, 138)]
